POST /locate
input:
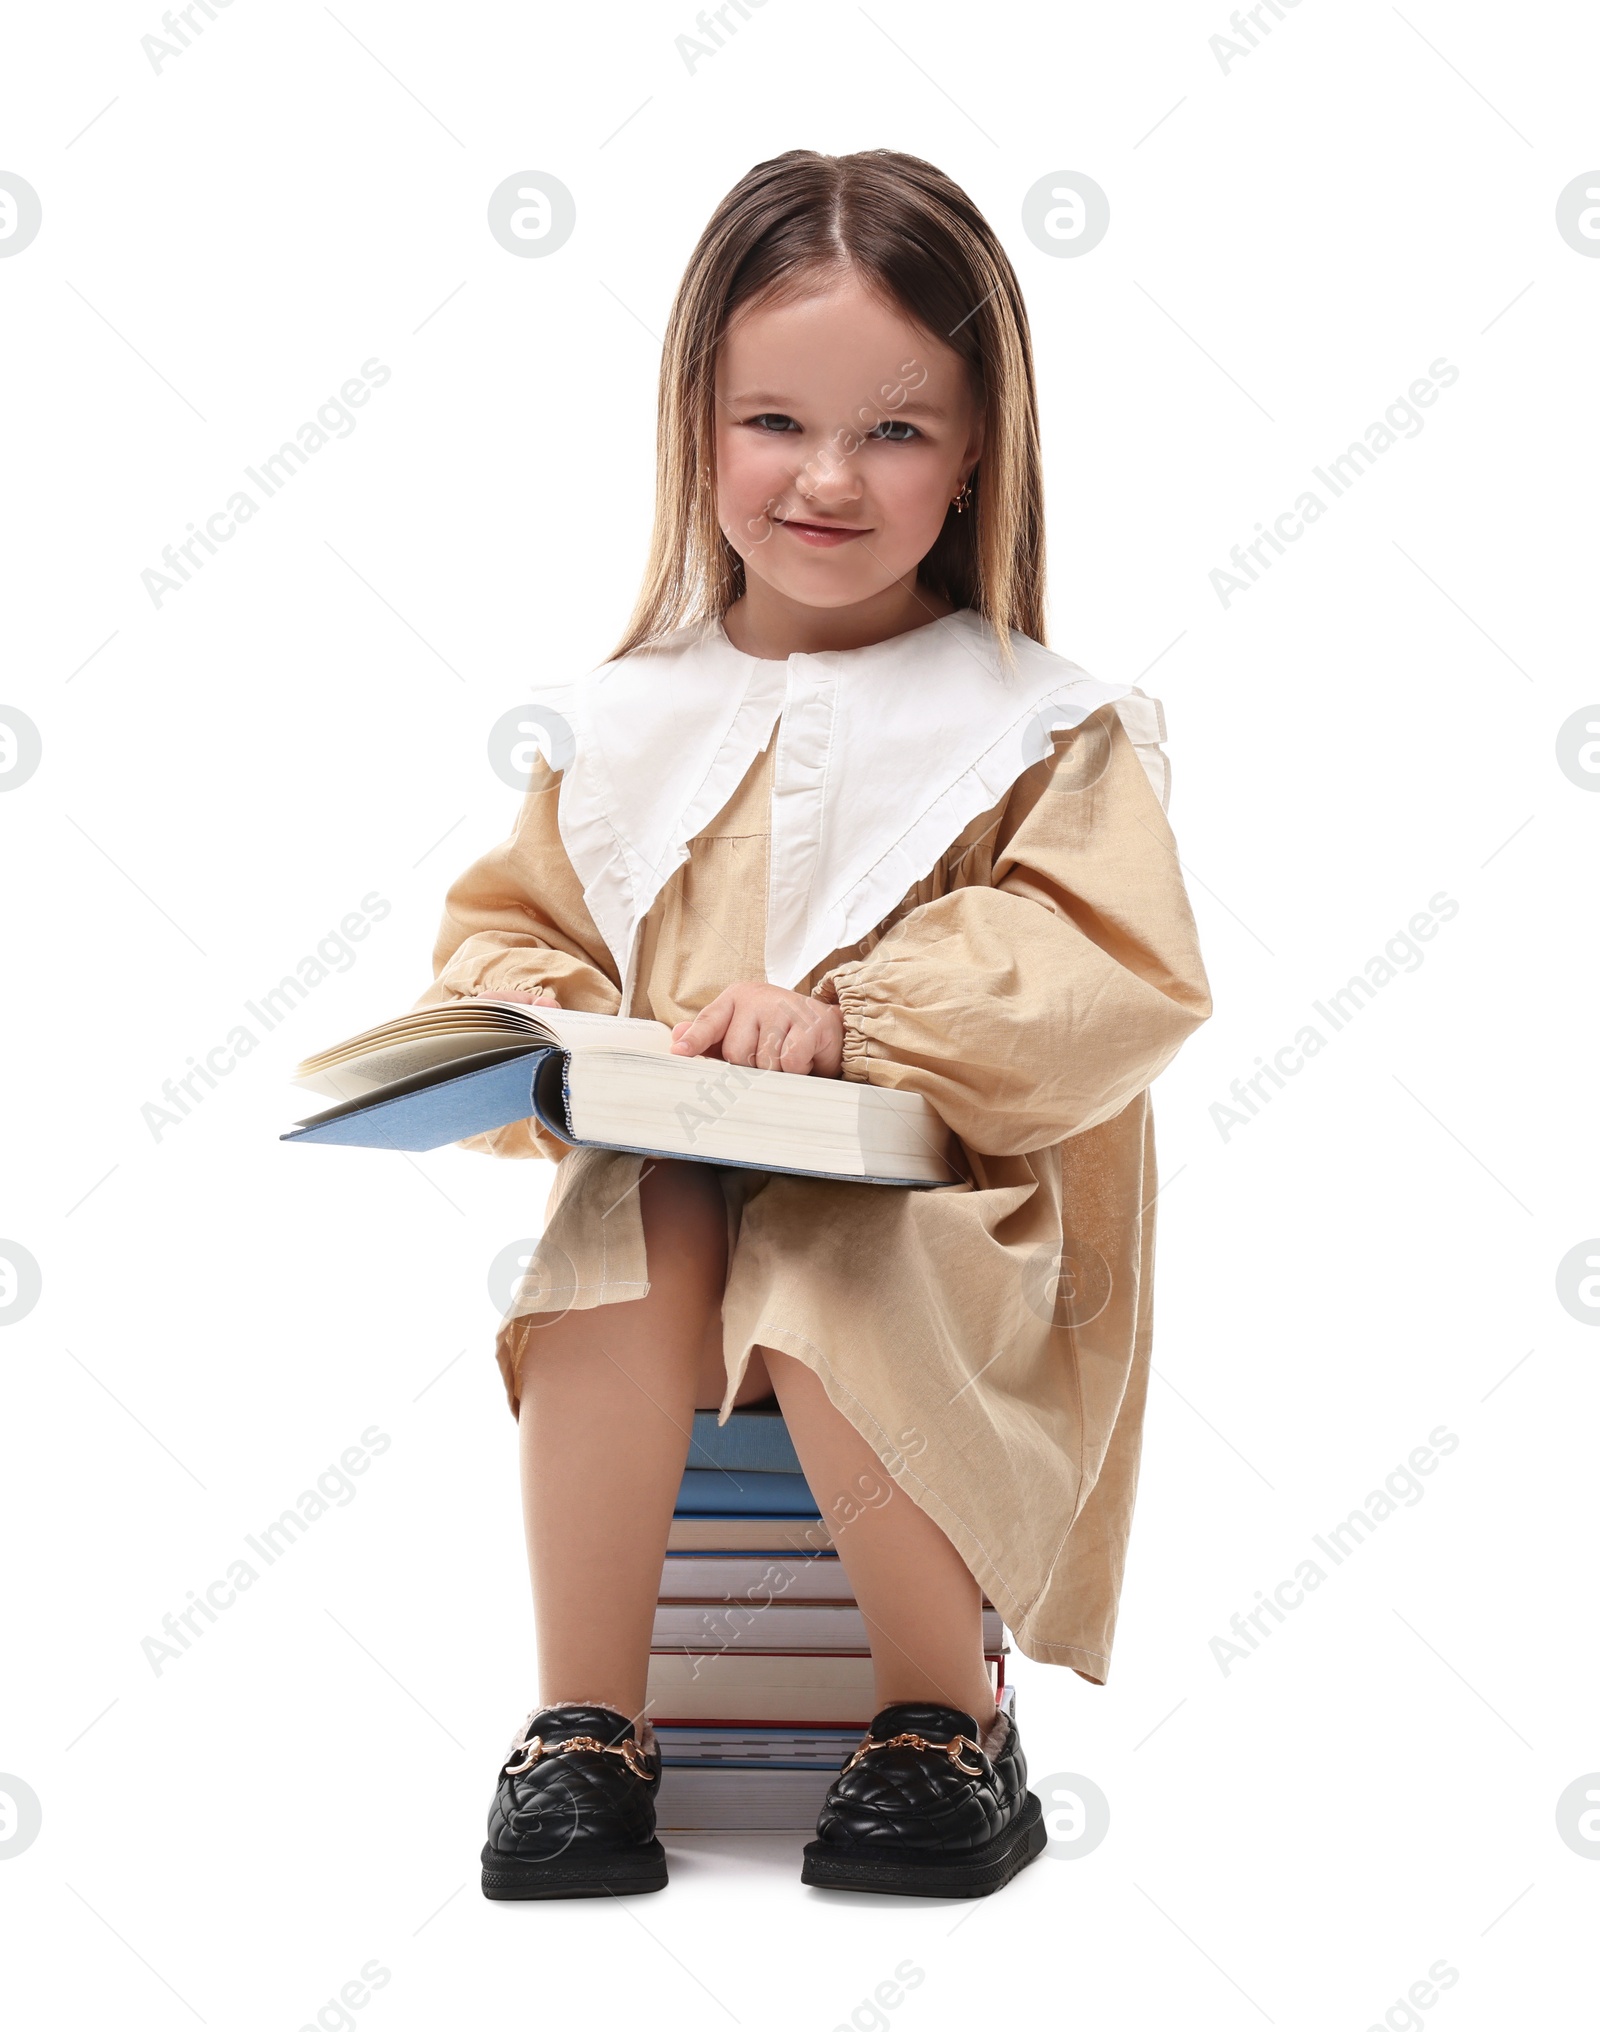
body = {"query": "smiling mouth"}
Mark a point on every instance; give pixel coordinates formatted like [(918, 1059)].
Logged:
[(826, 535)]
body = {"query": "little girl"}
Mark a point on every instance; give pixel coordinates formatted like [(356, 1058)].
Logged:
[(832, 808)]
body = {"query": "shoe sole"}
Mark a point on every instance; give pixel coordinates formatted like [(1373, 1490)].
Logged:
[(616, 1873), (835, 1866)]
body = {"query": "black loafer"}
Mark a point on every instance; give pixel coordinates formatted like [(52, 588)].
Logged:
[(922, 1810), (574, 1815)]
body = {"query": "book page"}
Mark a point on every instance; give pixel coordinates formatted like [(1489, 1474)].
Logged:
[(447, 1030), (704, 1108), (443, 1020), (583, 1030)]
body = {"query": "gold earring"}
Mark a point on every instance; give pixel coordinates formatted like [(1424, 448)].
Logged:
[(962, 495)]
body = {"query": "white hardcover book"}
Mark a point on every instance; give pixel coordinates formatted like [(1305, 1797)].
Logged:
[(443, 1074)]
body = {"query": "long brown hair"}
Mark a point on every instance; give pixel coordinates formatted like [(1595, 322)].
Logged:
[(919, 240)]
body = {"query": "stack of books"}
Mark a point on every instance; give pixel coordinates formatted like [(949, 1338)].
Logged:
[(760, 1678)]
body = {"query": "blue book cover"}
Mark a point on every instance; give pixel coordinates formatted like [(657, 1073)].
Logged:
[(482, 1092), (742, 1492), (757, 1440)]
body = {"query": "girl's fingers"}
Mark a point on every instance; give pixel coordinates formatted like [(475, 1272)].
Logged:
[(738, 1042), (758, 1040), (707, 1028), (775, 1035), (752, 1024), (799, 1051)]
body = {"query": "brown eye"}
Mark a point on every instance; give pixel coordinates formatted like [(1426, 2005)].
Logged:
[(895, 423), (770, 418)]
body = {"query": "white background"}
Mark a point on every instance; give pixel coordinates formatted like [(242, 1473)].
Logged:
[(1293, 241)]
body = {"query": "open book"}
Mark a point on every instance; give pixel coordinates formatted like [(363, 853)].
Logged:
[(462, 1068)]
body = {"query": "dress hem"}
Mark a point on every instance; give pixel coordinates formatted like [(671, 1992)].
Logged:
[(1014, 1613)]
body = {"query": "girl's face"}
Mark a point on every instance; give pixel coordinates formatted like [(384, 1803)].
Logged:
[(843, 430)]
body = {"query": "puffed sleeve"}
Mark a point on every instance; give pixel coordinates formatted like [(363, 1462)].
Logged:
[(516, 920), (1038, 999)]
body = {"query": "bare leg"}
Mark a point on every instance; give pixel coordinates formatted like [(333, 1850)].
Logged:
[(922, 1606), (607, 1400)]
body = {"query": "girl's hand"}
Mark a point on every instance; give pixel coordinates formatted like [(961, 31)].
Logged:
[(755, 1023)]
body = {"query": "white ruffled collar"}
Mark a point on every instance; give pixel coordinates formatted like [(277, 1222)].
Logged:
[(885, 753)]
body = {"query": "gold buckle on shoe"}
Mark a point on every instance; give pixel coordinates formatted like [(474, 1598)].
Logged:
[(532, 1748), (912, 1741)]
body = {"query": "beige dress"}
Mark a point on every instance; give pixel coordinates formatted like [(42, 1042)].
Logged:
[(991, 1339)]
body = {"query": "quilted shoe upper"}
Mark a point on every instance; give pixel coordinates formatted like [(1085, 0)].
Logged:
[(905, 1797), (573, 1799)]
